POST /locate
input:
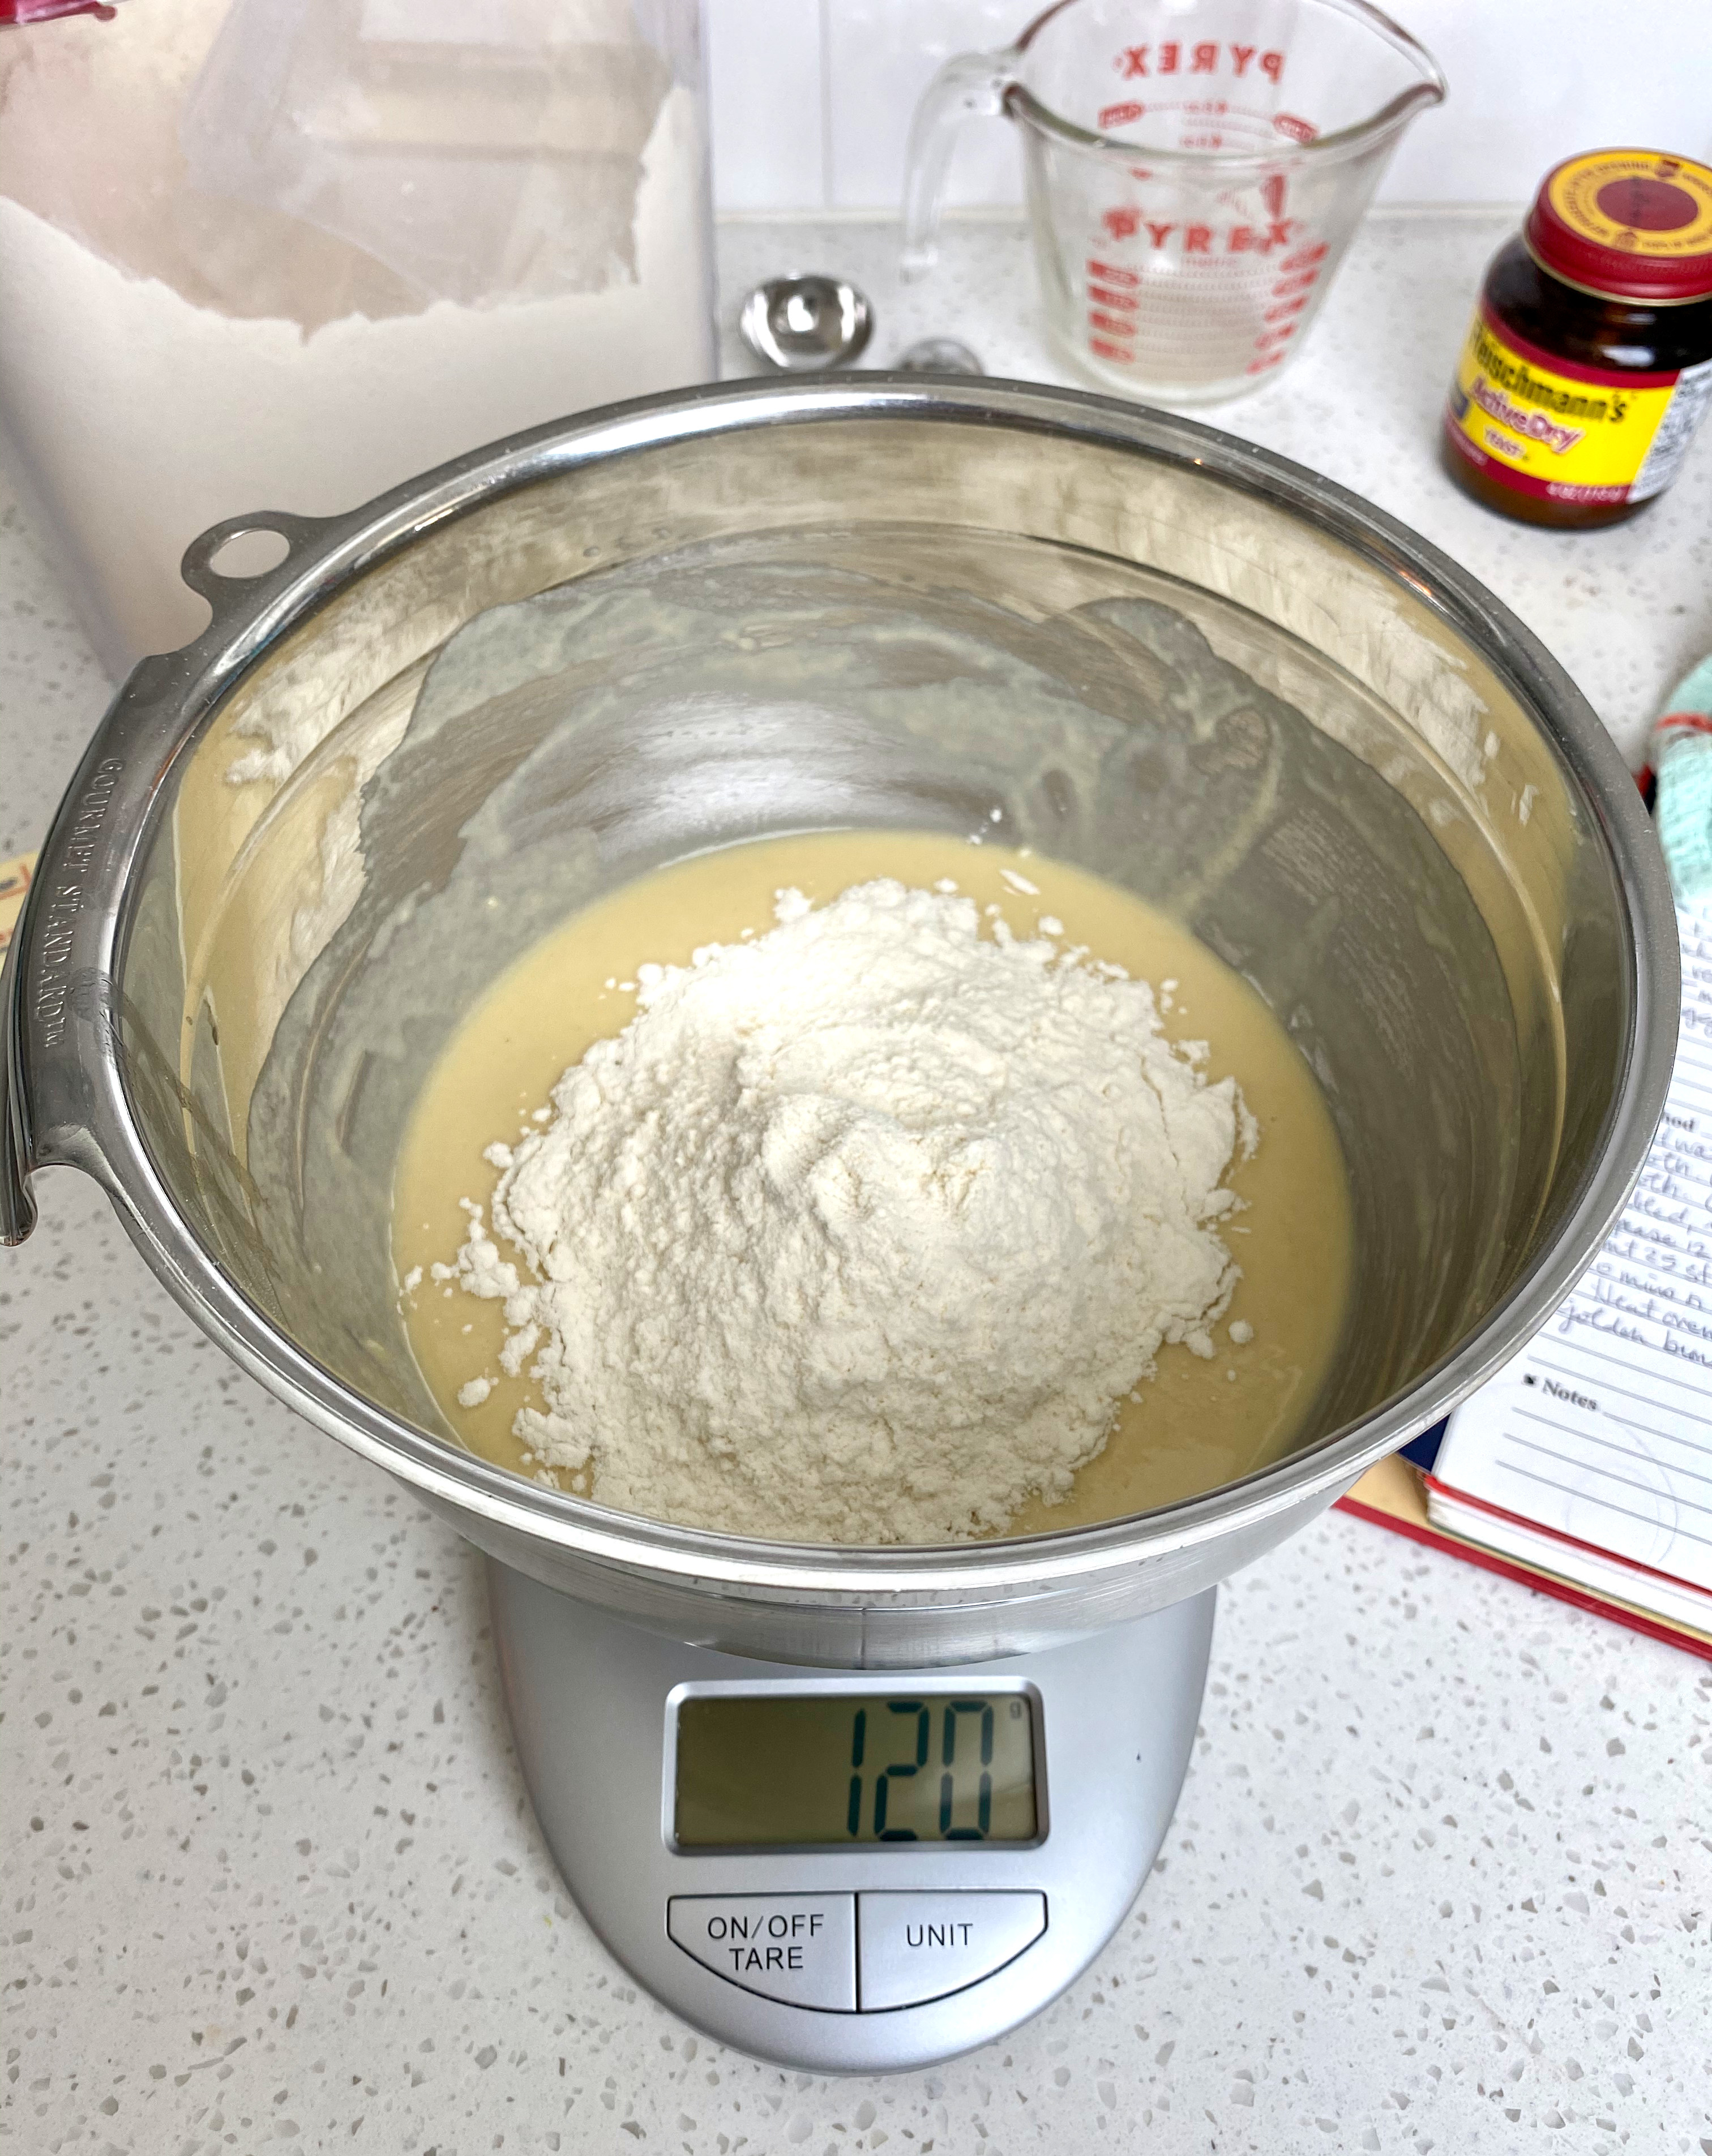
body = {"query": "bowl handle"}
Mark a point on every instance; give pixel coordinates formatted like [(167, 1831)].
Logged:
[(56, 991), (59, 1088), (18, 1208)]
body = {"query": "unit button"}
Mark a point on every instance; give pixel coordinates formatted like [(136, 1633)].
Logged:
[(917, 1947), (797, 1947)]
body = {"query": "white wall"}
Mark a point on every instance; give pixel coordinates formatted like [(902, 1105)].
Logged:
[(812, 98)]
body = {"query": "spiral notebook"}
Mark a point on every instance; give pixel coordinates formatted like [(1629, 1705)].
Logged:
[(1585, 1464)]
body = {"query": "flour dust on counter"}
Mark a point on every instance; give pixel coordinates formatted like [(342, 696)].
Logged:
[(873, 1187)]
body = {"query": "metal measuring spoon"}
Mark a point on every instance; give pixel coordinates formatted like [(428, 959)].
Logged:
[(803, 324), (939, 355)]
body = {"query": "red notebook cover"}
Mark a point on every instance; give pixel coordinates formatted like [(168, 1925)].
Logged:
[(1394, 1495)]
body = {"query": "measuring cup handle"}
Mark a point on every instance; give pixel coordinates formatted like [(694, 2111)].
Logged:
[(971, 87)]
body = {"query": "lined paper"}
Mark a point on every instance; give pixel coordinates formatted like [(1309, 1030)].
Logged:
[(1600, 1430)]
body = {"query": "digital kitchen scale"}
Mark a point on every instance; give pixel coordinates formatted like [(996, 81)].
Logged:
[(849, 1872)]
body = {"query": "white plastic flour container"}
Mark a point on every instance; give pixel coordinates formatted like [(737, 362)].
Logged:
[(290, 252)]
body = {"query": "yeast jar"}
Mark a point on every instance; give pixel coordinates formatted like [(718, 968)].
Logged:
[(1588, 365)]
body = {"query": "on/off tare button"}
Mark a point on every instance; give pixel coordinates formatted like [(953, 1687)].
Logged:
[(918, 1946), (800, 1948)]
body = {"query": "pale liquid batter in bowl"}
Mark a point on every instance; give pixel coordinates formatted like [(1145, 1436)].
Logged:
[(1195, 1424)]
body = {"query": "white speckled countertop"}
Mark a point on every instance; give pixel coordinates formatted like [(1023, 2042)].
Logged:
[(1441, 1875)]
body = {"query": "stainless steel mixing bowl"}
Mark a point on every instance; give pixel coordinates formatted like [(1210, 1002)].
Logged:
[(296, 850)]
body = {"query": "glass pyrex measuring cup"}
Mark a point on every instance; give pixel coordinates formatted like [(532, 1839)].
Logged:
[(1194, 170)]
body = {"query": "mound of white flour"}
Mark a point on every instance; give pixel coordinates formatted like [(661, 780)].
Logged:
[(859, 1231)]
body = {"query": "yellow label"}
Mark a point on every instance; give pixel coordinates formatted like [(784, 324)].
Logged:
[(1565, 436), (14, 889), (1659, 208)]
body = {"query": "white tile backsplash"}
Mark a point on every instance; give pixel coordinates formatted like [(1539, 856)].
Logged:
[(880, 55), (767, 92), (1536, 80), (812, 99)]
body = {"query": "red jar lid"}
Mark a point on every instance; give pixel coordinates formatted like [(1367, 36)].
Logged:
[(1629, 224)]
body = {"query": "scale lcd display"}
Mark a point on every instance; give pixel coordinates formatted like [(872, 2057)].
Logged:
[(769, 1770)]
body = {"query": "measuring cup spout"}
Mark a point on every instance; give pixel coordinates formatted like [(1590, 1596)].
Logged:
[(971, 87)]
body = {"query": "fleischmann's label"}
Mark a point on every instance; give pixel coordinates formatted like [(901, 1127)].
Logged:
[(1545, 427)]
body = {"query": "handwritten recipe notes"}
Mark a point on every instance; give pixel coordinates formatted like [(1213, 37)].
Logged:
[(1591, 1452)]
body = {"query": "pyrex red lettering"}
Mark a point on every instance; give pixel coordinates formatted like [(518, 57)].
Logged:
[(1131, 62), (1159, 234), (1277, 234), (1197, 239), (1168, 59), (1240, 239), (1204, 60), (1271, 64), (1240, 56)]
